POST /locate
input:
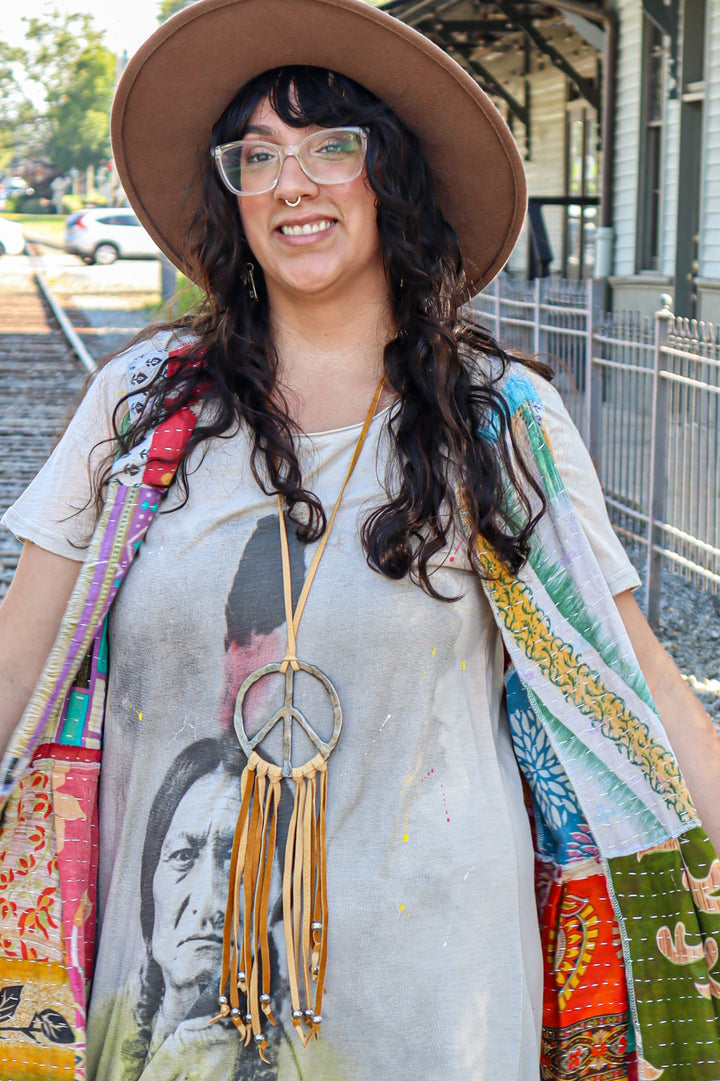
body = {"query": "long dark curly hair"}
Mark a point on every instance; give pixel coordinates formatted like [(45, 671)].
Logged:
[(452, 426)]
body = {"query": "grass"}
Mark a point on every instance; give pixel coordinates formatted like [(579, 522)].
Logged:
[(187, 296)]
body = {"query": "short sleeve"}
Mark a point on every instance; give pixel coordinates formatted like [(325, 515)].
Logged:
[(57, 510), (581, 481)]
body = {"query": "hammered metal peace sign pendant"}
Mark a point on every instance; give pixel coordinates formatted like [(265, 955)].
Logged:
[(287, 714)]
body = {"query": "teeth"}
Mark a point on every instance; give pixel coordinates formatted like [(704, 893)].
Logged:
[(305, 230)]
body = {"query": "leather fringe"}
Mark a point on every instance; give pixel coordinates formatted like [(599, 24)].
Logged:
[(245, 982)]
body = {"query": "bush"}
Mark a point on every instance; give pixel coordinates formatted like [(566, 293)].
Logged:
[(71, 203), (22, 205)]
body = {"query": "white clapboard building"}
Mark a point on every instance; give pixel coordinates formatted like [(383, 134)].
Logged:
[(617, 108)]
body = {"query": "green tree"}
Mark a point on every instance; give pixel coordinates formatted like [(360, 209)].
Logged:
[(18, 116), (71, 74), (79, 120), (166, 8)]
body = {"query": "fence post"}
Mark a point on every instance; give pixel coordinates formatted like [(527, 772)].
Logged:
[(595, 376), (658, 452), (536, 318), (589, 389), (497, 298), (168, 284)]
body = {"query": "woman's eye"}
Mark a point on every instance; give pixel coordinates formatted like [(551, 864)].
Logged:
[(258, 155), (332, 148)]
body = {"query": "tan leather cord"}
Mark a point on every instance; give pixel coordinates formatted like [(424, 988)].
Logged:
[(230, 930), (293, 618), (287, 916), (246, 949), (321, 939), (306, 881)]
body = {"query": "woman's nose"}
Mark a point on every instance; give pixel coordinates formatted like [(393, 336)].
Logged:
[(293, 180)]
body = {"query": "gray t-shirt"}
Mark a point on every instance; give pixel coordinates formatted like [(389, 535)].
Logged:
[(434, 968)]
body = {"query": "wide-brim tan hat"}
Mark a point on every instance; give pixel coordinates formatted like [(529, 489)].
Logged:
[(180, 81)]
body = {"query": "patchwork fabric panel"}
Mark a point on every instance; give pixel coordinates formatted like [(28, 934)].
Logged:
[(48, 869), (673, 926), (585, 1005), (37, 1033)]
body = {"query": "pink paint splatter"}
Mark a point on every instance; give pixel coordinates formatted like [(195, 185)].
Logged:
[(447, 813), (429, 773), (455, 552)]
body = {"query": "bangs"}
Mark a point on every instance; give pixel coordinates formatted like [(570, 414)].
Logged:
[(301, 96)]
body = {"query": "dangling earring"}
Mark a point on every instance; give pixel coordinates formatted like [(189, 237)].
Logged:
[(250, 280)]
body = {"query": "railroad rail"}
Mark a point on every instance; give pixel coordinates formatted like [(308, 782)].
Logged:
[(42, 375)]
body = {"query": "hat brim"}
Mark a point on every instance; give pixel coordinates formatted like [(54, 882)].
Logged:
[(183, 77)]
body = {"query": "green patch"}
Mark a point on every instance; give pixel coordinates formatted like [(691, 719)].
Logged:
[(669, 903), (187, 298)]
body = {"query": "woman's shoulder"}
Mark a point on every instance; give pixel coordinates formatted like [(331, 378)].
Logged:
[(130, 374), (515, 381), (139, 364)]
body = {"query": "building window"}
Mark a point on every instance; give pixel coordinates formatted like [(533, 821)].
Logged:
[(651, 138)]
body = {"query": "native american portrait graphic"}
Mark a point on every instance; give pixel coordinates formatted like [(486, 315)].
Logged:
[(186, 853)]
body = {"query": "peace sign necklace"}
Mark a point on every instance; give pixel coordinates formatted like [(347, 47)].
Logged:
[(245, 981)]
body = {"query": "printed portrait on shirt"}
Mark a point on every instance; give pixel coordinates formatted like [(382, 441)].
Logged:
[(187, 850)]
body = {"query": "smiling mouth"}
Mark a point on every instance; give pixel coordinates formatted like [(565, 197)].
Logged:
[(308, 228)]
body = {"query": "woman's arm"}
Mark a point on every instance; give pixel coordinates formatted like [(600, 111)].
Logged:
[(690, 730), (30, 618)]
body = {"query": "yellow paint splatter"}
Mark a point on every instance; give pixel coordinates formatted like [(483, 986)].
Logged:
[(405, 838), (462, 665), (433, 651), (401, 908)]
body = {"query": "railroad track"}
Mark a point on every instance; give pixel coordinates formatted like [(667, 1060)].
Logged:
[(41, 381)]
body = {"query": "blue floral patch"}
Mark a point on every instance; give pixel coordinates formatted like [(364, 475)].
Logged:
[(562, 831)]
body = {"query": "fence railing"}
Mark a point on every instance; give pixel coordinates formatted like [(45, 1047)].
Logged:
[(645, 394)]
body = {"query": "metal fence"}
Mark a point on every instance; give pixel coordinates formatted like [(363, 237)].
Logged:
[(645, 394)]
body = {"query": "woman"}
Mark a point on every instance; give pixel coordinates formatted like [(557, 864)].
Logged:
[(336, 211)]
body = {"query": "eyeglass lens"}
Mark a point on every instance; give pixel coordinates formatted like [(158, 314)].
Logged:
[(330, 156)]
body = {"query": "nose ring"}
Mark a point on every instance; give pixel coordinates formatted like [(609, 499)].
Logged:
[(296, 201)]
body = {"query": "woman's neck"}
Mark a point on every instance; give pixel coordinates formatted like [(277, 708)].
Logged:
[(331, 358)]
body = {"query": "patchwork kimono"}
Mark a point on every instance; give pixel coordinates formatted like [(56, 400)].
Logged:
[(628, 885)]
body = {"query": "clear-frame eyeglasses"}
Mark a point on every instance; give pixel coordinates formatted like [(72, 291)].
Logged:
[(328, 156)]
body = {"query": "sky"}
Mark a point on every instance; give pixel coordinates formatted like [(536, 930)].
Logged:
[(126, 22)]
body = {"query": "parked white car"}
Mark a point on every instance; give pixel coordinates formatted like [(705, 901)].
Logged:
[(106, 234), (12, 241)]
